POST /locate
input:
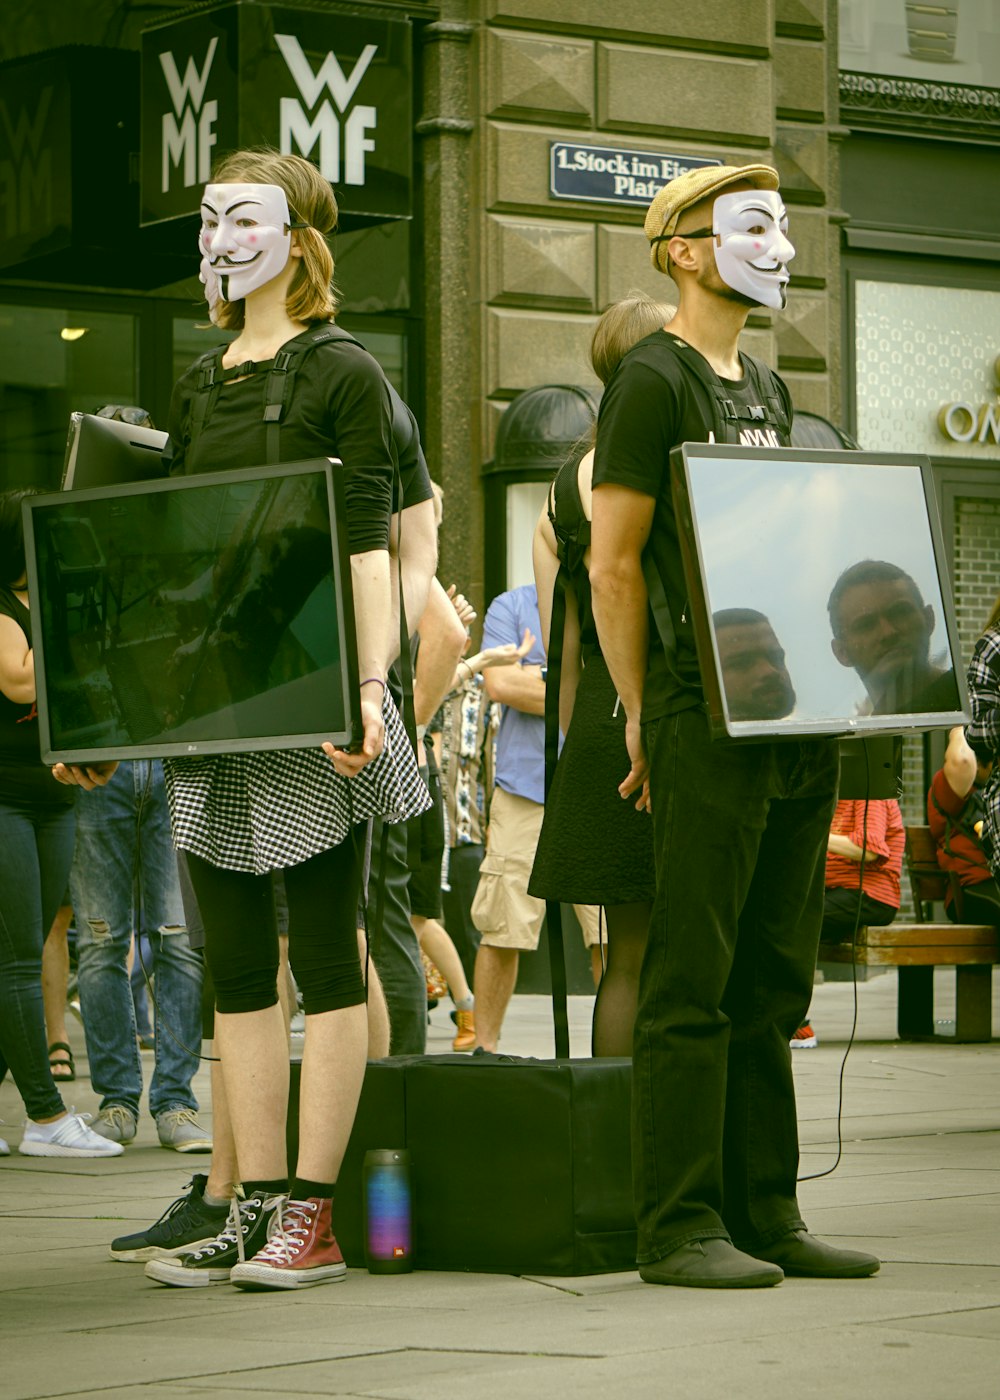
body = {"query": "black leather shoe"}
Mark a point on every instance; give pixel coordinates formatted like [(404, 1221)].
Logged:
[(802, 1255), (713, 1263)]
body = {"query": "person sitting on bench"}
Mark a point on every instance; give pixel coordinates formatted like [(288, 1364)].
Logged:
[(874, 828), (955, 815)]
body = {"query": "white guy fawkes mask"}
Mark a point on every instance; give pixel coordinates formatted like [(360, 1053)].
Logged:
[(245, 237), (751, 245), (213, 294)]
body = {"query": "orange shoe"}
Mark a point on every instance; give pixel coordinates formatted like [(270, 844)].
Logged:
[(804, 1038), (465, 1036)]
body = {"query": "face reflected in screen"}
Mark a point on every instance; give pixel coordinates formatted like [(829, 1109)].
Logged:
[(755, 678), (838, 555), (882, 628)]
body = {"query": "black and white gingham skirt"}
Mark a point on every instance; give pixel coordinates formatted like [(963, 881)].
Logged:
[(264, 811)]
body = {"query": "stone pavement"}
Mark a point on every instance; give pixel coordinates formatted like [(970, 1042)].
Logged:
[(919, 1183)]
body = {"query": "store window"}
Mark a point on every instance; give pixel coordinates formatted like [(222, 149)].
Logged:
[(925, 369), (55, 361)]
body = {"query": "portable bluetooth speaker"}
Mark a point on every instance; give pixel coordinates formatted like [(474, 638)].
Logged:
[(388, 1226)]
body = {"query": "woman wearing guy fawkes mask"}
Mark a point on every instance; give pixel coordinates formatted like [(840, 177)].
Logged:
[(268, 275), (739, 829)]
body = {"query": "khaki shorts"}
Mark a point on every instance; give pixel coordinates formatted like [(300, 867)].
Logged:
[(503, 911)]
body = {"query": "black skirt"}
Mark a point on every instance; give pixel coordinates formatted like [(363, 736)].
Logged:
[(594, 848)]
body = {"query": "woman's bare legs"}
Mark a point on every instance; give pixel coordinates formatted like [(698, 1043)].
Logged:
[(55, 977), (436, 943), (333, 1067), (253, 1047), (378, 1010)]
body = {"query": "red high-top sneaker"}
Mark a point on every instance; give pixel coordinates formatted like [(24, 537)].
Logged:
[(301, 1250)]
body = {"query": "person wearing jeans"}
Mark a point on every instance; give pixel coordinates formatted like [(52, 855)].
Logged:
[(36, 847), (124, 879)]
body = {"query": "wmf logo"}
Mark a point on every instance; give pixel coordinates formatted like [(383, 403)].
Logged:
[(342, 136), (26, 169), (188, 135)]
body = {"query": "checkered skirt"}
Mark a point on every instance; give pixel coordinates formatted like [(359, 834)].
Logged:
[(264, 811)]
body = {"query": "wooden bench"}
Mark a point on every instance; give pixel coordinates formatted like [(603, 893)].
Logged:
[(916, 949)]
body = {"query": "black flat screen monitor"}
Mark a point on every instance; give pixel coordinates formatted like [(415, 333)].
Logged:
[(105, 452), (819, 592), (194, 615)]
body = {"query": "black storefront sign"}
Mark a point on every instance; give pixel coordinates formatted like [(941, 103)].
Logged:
[(331, 85), (609, 175), (58, 197)]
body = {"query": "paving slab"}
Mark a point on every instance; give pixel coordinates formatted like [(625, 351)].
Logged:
[(918, 1181)]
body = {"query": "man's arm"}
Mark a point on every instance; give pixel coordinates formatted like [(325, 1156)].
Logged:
[(413, 549), (442, 641), (520, 687), (622, 520)]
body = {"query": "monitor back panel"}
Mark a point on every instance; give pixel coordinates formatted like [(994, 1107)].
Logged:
[(106, 452)]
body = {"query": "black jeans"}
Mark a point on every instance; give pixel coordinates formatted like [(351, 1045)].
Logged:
[(740, 840), (394, 948)]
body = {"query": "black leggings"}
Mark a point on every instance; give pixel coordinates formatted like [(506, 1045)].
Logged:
[(241, 936)]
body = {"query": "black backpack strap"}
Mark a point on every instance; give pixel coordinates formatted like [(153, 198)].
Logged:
[(553, 911), (205, 395), (281, 381)]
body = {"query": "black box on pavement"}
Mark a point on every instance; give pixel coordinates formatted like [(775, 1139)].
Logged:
[(518, 1166)]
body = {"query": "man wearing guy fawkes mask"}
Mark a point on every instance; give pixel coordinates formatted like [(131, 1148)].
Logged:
[(740, 828)]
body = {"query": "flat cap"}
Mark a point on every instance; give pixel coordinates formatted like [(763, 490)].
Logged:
[(690, 188)]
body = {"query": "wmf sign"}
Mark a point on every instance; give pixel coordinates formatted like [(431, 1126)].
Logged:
[(330, 86)]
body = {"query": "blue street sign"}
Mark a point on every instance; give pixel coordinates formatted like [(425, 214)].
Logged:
[(609, 175)]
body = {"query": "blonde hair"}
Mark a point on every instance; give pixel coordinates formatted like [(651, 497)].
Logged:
[(312, 295), (623, 325)]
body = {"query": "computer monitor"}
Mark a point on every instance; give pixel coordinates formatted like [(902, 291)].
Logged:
[(819, 592), (193, 615), (106, 452)]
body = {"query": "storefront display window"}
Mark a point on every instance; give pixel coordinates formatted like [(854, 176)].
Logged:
[(55, 361), (926, 364)]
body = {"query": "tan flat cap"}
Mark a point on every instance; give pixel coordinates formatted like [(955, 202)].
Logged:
[(670, 202)]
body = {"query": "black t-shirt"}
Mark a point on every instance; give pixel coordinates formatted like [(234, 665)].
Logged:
[(339, 407), (652, 404), (415, 479), (23, 776)]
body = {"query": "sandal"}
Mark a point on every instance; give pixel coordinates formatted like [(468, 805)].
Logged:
[(63, 1069)]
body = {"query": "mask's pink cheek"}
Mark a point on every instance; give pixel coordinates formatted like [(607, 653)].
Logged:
[(757, 247), (252, 239)]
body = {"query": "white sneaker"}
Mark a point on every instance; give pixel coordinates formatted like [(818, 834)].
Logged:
[(4, 1148), (66, 1137)]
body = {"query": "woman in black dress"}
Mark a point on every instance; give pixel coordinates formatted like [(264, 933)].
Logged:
[(238, 817), (594, 848)]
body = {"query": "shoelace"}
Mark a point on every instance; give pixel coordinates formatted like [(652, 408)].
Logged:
[(293, 1220), (116, 1114), (173, 1209), (180, 1115), (232, 1232)]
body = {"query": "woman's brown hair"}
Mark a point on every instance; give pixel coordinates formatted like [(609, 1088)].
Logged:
[(311, 203)]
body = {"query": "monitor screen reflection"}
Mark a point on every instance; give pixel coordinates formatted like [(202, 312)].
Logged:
[(822, 586)]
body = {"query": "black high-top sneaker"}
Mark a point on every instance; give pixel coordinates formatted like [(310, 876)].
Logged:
[(245, 1232)]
